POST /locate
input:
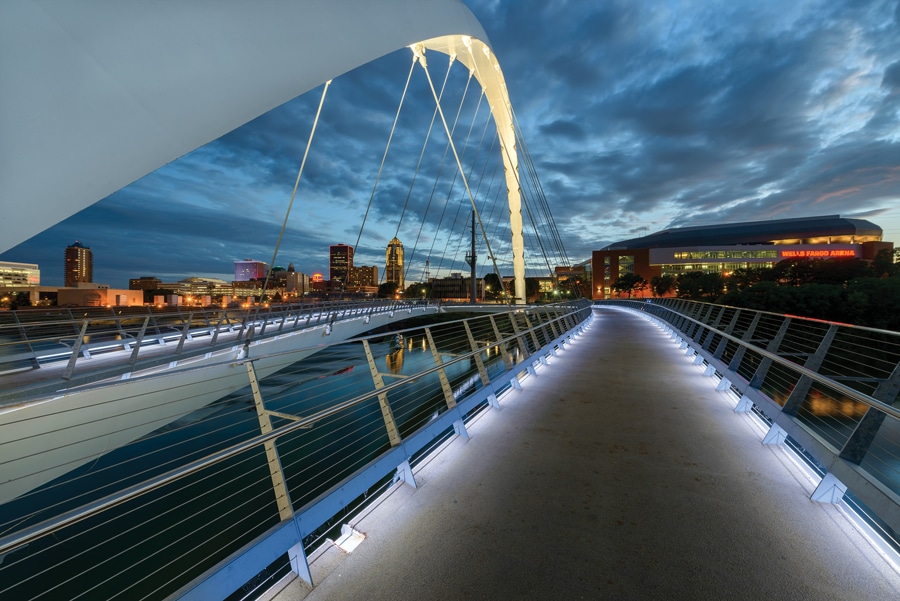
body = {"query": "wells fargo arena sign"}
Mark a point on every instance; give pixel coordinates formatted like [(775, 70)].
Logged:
[(817, 253)]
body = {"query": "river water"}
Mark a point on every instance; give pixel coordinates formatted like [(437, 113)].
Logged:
[(149, 547)]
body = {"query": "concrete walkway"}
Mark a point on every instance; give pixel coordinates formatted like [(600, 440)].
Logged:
[(617, 473)]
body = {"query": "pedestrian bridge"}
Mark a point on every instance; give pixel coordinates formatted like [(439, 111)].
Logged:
[(211, 457), (619, 471), (539, 452)]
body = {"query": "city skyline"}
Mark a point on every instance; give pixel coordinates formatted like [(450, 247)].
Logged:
[(638, 116)]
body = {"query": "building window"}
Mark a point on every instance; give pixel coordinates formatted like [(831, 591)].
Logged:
[(607, 269), (694, 255), (626, 264)]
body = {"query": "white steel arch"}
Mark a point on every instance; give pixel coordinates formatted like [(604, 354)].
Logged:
[(94, 95)]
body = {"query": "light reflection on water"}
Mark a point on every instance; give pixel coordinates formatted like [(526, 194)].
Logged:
[(334, 374)]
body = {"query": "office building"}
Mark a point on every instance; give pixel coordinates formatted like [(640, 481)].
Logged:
[(456, 287), (364, 275), (79, 265), (393, 270), (250, 269), (726, 247), (19, 274), (340, 263), (145, 283), (297, 283)]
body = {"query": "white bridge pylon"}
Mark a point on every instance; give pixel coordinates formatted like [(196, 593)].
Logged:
[(96, 94), (478, 58)]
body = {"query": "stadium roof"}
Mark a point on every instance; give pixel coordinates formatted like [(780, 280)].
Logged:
[(753, 232)]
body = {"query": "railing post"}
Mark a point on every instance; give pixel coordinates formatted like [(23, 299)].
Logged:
[(554, 322), (861, 439), (282, 495), (442, 376), (763, 368), (215, 335), (713, 328), (35, 364), (118, 321), (507, 361), (523, 348), (746, 337), (265, 322), (76, 348), (185, 335), (386, 413), (813, 362), (720, 348), (137, 345), (534, 339), (482, 372)]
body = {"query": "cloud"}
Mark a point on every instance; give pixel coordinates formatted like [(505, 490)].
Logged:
[(637, 116)]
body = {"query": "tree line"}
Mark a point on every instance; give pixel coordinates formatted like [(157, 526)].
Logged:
[(845, 290)]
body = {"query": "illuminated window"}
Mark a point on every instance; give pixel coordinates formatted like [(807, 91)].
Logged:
[(626, 264)]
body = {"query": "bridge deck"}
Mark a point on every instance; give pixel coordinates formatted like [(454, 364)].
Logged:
[(618, 472)]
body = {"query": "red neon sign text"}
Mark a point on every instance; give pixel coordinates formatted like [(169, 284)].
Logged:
[(790, 254)]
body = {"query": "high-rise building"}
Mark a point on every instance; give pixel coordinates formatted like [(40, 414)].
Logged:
[(340, 263), (393, 270), (250, 269), (79, 264)]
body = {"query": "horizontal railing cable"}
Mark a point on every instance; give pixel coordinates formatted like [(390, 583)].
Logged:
[(33, 532)]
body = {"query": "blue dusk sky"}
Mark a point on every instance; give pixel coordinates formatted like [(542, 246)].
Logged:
[(638, 116)]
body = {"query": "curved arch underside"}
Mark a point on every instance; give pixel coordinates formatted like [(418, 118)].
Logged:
[(95, 95)]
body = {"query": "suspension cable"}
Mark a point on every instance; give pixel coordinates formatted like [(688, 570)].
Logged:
[(539, 191), (422, 154), (386, 148), (287, 213), (461, 241), (419, 53), (455, 176), (441, 170)]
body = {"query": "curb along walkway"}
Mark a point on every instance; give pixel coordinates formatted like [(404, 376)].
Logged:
[(619, 472)]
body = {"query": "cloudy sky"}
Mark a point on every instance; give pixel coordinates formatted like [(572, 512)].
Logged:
[(638, 116)]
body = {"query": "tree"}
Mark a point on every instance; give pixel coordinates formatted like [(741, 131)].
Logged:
[(661, 285), (22, 299), (417, 290), (764, 296), (697, 285), (744, 277), (628, 283), (793, 272), (532, 288), (387, 290), (579, 288), (493, 286), (839, 271), (883, 265)]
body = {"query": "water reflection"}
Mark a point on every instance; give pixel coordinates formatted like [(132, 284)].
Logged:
[(394, 360), (822, 405)]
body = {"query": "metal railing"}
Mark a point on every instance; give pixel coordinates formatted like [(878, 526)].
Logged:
[(209, 501), (61, 341), (828, 389)]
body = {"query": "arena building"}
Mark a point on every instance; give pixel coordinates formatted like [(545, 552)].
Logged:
[(726, 247)]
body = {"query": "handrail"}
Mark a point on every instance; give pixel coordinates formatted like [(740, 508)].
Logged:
[(815, 376), (23, 537), (248, 322), (841, 430)]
